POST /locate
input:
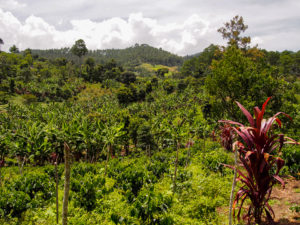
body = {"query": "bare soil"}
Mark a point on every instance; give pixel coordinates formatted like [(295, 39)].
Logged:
[(284, 199)]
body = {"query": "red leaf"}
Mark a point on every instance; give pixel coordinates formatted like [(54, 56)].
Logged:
[(280, 164), (247, 114), (231, 122), (279, 122), (256, 112), (280, 180), (261, 114)]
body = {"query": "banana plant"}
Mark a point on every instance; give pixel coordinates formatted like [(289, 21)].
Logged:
[(38, 144), (178, 133), (111, 132), (18, 142)]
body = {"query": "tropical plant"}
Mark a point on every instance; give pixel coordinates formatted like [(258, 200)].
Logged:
[(227, 136), (256, 153)]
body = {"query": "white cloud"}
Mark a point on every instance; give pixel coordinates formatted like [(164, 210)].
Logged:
[(180, 26), (11, 4), (181, 38)]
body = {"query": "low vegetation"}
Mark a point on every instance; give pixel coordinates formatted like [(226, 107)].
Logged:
[(143, 133)]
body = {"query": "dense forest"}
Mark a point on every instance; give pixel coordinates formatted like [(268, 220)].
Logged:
[(131, 56), (143, 136)]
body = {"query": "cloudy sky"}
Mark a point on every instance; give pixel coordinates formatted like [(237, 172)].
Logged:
[(180, 26)]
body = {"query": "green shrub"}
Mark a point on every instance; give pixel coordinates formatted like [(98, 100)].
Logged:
[(34, 183), (158, 168), (13, 202), (80, 169), (87, 190), (204, 209), (168, 86), (131, 179), (291, 156), (216, 159), (29, 98), (152, 207)]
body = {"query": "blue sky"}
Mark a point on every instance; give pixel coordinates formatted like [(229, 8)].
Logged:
[(180, 26)]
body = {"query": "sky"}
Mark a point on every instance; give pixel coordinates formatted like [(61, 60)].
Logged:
[(183, 27)]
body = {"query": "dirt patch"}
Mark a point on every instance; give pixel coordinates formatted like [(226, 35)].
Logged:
[(281, 201), (284, 199)]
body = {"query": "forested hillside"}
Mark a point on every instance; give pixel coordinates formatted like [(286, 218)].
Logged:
[(137, 136), (134, 55)]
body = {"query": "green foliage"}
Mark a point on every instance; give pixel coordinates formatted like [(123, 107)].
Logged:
[(237, 78), (204, 209), (29, 98), (182, 85), (99, 110), (79, 49), (232, 31), (127, 78), (216, 159), (145, 139), (168, 86), (161, 72), (131, 180), (13, 202), (152, 208), (87, 190), (198, 66), (291, 156), (131, 56), (34, 184), (14, 49)]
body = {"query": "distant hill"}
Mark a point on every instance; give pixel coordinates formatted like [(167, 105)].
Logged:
[(131, 56)]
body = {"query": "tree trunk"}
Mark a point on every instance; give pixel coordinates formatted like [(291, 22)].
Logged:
[(107, 157), (21, 164), (188, 153), (257, 214), (126, 149), (56, 191), (67, 185), (176, 164), (233, 187)]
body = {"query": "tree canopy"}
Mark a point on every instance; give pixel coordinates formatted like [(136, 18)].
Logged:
[(232, 31), (79, 48)]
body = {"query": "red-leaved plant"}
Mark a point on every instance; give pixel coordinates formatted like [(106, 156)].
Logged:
[(227, 136), (255, 154)]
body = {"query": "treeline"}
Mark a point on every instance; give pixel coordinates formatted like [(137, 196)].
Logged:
[(285, 63), (131, 56)]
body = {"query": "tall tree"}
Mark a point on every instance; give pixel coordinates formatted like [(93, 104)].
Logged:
[(1, 43), (14, 49), (79, 48), (232, 32), (237, 78)]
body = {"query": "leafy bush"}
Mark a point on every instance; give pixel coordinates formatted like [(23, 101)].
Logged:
[(81, 169), (291, 156), (87, 190), (168, 86), (215, 160), (29, 98), (131, 179), (204, 209), (50, 171), (152, 207), (13, 202), (183, 180), (158, 168), (34, 183)]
